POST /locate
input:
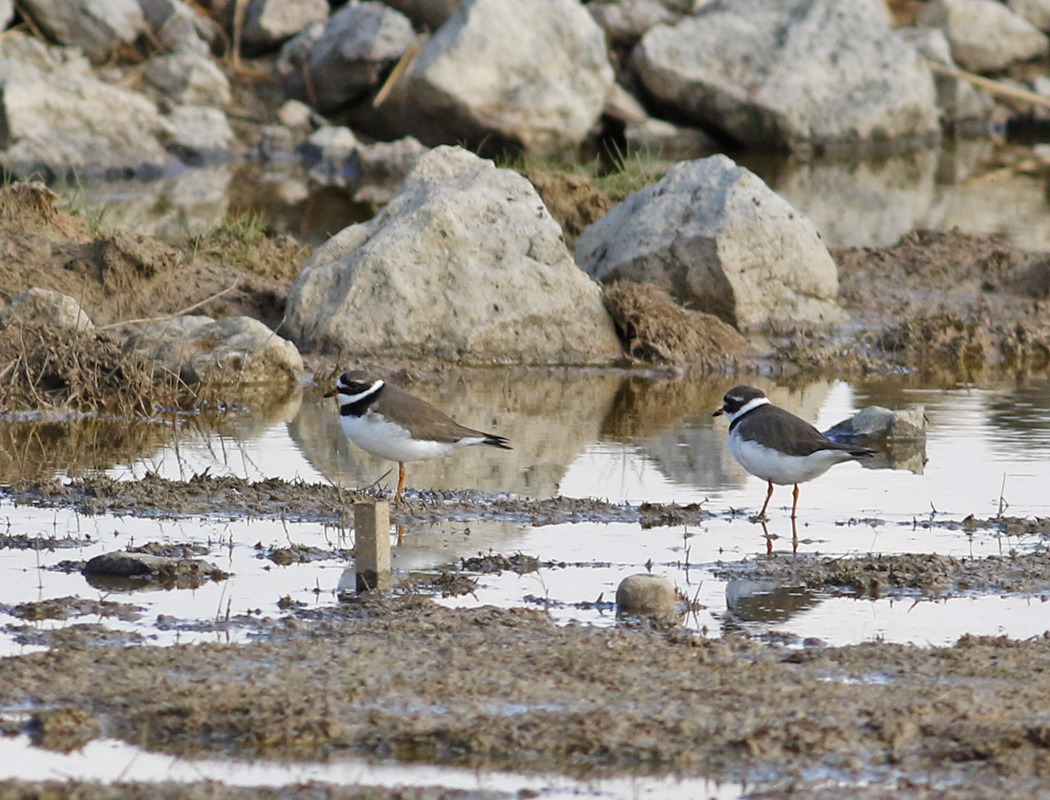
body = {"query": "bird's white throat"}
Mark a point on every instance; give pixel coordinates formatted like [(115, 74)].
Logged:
[(750, 405)]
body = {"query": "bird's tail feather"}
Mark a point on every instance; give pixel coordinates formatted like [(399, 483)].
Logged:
[(861, 452)]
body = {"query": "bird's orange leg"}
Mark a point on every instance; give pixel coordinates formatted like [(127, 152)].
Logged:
[(765, 505), (400, 481), (794, 506)]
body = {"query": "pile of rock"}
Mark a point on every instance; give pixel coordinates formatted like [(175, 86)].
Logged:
[(133, 85)]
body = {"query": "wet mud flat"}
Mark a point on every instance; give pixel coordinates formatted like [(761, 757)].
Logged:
[(295, 500), (404, 678), (214, 790), (920, 575), (507, 689)]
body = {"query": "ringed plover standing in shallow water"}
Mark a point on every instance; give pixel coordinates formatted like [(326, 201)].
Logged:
[(776, 446), (392, 424)]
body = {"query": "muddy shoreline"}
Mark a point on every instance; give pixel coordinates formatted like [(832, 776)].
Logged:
[(404, 678), (491, 689), (280, 499)]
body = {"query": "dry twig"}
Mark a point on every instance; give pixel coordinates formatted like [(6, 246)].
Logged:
[(178, 313), (992, 87)]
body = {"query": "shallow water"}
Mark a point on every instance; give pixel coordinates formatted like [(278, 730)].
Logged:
[(866, 202), (625, 439), (113, 760)]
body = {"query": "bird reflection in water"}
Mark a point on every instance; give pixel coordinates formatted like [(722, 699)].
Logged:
[(769, 537)]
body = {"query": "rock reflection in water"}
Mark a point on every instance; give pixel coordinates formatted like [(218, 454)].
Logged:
[(549, 419), (556, 421), (192, 201), (418, 552), (668, 424), (226, 443), (905, 455), (855, 202), (671, 423), (197, 200), (1023, 414), (646, 406), (874, 201), (864, 202)]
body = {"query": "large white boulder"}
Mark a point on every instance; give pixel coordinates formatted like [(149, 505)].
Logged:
[(336, 64), (1035, 11), (531, 74), (187, 76), (715, 237), (97, 27), (958, 99), (269, 23), (200, 134), (464, 264), (176, 25), (625, 21), (60, 118), (984, 35), (791, 75)]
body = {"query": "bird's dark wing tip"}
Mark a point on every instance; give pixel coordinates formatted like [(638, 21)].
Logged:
[(497, 441)]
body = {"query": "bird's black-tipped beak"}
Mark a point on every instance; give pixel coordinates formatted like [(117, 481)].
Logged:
[(331, 393), (719, 412)]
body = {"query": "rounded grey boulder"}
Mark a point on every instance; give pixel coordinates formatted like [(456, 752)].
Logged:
[(645, 594), (717, 239)]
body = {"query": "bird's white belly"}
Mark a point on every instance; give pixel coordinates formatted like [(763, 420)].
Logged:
[(772, 465), (375, 435)]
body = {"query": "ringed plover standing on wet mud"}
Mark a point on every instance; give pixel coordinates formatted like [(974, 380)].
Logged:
[(776, 446), (392, 424)]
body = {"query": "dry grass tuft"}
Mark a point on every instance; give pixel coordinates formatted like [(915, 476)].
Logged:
[(571, 199), (28, 198), (655, 329), (50, 368)]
